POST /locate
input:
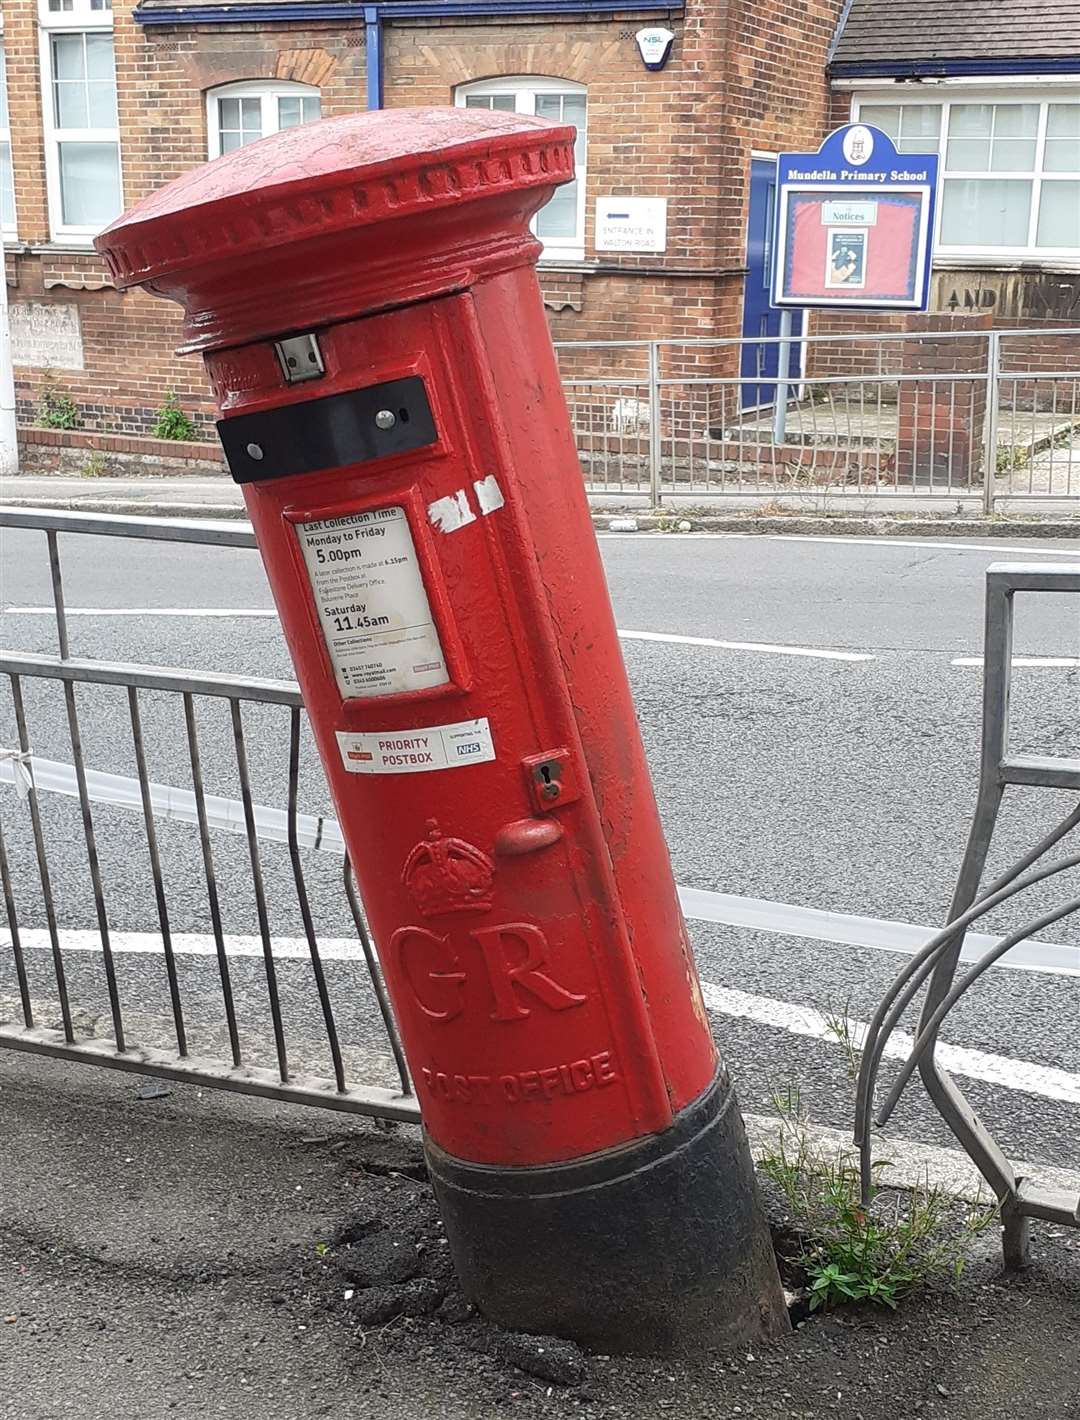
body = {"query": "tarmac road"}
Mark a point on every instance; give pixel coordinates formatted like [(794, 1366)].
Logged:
[(842, 785)]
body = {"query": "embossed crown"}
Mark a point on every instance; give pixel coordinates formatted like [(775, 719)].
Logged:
[(448, 875)]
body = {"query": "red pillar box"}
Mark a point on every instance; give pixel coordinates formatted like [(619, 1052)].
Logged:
[(363, 293)]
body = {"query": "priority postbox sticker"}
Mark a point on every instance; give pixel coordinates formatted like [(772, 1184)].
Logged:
[(416, 751), (373, 606)]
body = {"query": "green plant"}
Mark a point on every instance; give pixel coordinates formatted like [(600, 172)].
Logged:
[(853, 1251), (1011, 458), (96, 465), (839, 1024), (172, 422), (56, 408)]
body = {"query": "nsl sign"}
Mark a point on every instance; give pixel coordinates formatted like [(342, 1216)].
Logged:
[(854, 224)]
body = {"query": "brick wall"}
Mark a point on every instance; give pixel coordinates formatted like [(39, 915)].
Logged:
[(128, 338), (24, 103), (165, 138)]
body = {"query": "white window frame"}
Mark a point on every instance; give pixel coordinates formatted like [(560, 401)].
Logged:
[(79, 17), (268, 91), (79, 20), (1004, 94), (525, 88), (9, 232)]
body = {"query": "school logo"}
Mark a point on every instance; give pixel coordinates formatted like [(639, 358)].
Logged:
[(858, 146)]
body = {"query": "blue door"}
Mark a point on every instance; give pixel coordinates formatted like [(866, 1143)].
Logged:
[(759, 362)]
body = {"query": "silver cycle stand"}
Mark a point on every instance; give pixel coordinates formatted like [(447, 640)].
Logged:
[(1020, 1200)]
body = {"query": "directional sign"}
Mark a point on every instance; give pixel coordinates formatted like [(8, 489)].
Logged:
[(854, 224)]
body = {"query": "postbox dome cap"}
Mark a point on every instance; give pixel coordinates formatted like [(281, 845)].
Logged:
[(332, 175)]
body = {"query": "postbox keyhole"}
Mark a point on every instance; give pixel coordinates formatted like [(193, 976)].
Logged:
[(552, 779), (549, 774)]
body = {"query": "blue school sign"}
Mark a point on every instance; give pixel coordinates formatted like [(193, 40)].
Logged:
[(854, 224)]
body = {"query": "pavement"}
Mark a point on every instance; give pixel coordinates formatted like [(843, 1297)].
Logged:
[(221, 1280), (1029, 510), (787, 775)]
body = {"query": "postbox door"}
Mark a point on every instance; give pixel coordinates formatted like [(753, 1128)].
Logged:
[(427, 647)]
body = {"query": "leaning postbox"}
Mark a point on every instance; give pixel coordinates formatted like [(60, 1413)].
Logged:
[(363, 293)]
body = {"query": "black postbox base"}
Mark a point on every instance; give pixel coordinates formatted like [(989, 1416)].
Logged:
[(657, 1247)]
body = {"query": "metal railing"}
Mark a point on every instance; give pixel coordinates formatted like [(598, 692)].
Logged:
[(47, 1016), (968, 416), (939, 960)]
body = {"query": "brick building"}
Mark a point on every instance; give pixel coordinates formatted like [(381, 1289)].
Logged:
[(995, 88), (108, 99)]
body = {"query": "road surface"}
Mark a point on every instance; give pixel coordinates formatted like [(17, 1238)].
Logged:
[(824, 756)]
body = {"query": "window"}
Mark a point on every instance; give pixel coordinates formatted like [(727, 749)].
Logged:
[(1010, 171), (914, 128), (82, 139), (560, 225), (241, 113), (7, 185)]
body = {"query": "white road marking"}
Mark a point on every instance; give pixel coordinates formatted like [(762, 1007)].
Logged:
[(224, 612), (990, 546), (756, 914), (764, 646), (1066, 661), (876, 933), (227, 815), (191, 944), (787, 1016), (667, 537), (219, 611), (798, 1020)]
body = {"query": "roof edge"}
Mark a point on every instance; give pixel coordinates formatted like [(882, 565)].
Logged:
[(838, 33), (285, 11), (950, 68)]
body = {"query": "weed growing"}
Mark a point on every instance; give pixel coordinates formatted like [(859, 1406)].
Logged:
[(172, 422), (878, 1252), (56, 408), (96, 465)]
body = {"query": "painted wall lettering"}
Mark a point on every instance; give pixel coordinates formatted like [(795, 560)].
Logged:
[(46, 335)]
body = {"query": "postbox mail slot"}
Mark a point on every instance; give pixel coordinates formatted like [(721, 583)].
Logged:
[(332, 432)]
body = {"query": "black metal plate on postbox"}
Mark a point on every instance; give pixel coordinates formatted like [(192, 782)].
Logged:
[(332, 432)]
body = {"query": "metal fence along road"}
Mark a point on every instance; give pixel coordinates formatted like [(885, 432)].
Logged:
[(47, 1015), (982, 417), (938, 962), (211, 1007)]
